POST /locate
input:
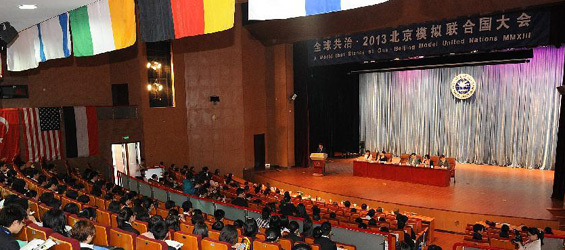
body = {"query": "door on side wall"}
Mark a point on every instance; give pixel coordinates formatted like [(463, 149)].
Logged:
[(126, 158), (259, 150)]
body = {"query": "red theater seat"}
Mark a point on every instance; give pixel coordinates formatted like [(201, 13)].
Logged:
[(123, 239), (101, 238), (210, 244), (64, 243), (144, 243), (261, 245), (189, 241), (34, 231)]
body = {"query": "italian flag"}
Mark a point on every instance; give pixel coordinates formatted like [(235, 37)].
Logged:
[(103, 26)]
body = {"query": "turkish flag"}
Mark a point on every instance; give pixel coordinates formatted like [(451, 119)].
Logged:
[(9, 133)]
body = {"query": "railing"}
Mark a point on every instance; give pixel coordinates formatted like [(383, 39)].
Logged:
[(362, 239)]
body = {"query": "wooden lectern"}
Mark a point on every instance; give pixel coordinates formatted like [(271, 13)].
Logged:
[(319, 163)]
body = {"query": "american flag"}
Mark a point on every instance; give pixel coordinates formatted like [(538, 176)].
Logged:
[(42, 133)]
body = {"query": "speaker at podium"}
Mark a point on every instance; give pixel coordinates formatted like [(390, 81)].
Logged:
[(318, 162)]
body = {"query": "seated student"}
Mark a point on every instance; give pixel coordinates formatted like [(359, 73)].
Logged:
[(218, 226), (478, 230), (170, 205), (534, 240), (294, 234), (88, 213), (114, 207), (150, 224), (124, 220), (229, 235), (443, 162), (240, 200), (173, 222), (200, 229), (263, 221), (504, 231), (83, 199), (160, 232), (250, 228), (56, 220), (84, 232), (71, 208), (548, 230), (272, 235), (12, 221), (323, 237), (219, 215), (187, 208), (307, 227)]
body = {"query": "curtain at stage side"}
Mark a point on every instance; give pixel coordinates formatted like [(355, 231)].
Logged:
[(512, 120)]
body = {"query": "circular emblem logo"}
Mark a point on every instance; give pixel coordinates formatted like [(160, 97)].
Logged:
[(463, 86)]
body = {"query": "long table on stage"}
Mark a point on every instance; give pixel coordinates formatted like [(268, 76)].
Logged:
[(394, 172)]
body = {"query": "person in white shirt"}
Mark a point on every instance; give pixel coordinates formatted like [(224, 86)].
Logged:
[(367, 155), (534, 242)]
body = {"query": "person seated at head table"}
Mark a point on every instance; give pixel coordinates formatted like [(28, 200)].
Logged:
[(427, 162), (367, 156), (413, 160), (443, 162), (382, 157)]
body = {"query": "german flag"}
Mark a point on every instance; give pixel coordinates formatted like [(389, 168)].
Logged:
[(172, 19)]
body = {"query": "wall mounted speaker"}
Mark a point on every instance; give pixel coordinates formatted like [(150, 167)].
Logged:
[(7, 33)]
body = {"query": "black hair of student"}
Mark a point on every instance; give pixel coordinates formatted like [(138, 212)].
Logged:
[(317, 232), (250, 228), (302, 246), (187, 205), (326, 228), (173, 222), (83, 199), (218, 226), (11, 213), (71, 208), (124, 216), (55, 220), (169, 204), (114, 207), (159, 230), (228, 235), (272, 234), (88, 213), (284, 221), (265, 213), (307, 226), (293, 227), (201, 229)]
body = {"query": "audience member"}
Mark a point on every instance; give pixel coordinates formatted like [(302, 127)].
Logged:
[(200, 229), (324, 238), (124, 220), (55, 219), (11, 223)]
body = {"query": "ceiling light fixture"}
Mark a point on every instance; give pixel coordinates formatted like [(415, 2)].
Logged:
[(27, 6)]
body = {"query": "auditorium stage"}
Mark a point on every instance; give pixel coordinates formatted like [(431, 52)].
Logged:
[(481, 193)]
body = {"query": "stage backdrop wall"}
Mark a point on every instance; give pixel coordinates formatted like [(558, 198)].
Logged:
[(512, 120)]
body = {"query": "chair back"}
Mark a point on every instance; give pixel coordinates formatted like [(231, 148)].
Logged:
[(213, 234), (261, 245), (43, 209), (144, 243), (210, 244), (285, 243), (187, 228), (72, 219), (315, 246), (34, 231), (114, 219), (189, 241), (103, 217), (140, 226), (101, 238), (501, 243), (121, 238), (64, 243)]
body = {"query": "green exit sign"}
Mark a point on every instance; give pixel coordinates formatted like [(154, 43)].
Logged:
[(125, 137)]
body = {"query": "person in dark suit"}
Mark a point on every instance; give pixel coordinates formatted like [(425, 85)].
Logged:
[(322, 237), (125, 218), (321, 148), (294, 234), (240, 200), (443, 162), (413, 160), (287, 208), (11, 222)]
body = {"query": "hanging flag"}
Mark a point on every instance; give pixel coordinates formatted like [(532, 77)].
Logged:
[(283, 9), (161, 20), (42, 133), (81, 131), (103, 26), (21, 52), (9, 133), (54, 39)]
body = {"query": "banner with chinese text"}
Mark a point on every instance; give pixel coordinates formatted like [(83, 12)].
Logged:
[(482, 33)]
